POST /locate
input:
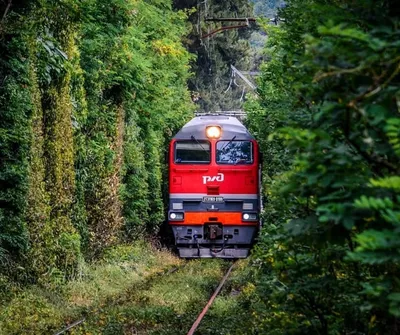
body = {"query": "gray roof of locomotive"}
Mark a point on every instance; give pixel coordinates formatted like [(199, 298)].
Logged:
[(230, 127)]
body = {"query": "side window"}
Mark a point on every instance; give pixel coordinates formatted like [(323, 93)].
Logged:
[(192, 152), (234, 152)]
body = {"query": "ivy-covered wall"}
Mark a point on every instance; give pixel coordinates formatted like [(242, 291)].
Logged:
[(89, 93)]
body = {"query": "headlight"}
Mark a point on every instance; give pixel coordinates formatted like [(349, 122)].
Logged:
[(250, 216), (176, 216), (213, 132)]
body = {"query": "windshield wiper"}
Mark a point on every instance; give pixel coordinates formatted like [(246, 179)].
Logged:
[(195, 139), (222, 149)]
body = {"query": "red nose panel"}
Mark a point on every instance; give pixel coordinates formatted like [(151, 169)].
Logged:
[(212, 190)]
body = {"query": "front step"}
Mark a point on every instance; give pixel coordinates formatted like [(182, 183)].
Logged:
[(203, 252)]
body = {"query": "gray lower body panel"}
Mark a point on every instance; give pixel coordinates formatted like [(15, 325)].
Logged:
[(234, 242)]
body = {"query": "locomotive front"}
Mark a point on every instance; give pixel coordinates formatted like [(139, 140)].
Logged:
[(214, 188)]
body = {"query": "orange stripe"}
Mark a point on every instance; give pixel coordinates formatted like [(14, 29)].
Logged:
[(226, 218)]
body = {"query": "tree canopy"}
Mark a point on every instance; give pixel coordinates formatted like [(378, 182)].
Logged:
[(328, 120)]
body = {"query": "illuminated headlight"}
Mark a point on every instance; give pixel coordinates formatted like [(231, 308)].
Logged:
[(213, 132), (177, 216), (249, 217)]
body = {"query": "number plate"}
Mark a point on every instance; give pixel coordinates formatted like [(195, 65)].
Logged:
[(213, 199)]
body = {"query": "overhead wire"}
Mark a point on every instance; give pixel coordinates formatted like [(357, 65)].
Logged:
[(205, 8)]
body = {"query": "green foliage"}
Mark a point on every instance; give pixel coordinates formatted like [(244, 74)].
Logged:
[(308, 291), (392, 130), (41, 236), (30, 313), (157, 306), (136, 202), (144, 76), (37, 310), (328, 255), (154, 180), (90, 93), (15, 133)]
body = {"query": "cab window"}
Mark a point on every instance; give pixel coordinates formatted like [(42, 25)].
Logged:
[(234, 152), (192, 152)]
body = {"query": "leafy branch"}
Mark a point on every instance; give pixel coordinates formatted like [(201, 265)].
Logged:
[(6, 11)]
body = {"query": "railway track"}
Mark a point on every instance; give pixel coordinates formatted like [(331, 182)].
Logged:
[(138, 296), (142, 286), (209, 303)]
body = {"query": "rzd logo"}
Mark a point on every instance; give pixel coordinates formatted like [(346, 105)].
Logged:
[(219, 177)]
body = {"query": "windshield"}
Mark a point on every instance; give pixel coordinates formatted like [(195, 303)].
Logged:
[(192, 152), (234, 152)]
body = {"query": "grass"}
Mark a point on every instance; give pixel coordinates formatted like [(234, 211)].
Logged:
[(133, 291), (169, 304), (166, 304), (35, 310)]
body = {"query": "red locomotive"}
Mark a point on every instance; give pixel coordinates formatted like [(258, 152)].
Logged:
[(214, 188)]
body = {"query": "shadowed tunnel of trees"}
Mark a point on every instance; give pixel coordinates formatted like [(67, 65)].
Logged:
[(91, 92)]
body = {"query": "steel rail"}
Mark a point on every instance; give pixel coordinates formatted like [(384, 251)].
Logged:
[(70, 326), (209, 303)]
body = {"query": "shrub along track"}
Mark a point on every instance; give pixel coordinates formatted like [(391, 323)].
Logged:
[(166, 303)]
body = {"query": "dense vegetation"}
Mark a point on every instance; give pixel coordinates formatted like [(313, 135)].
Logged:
[(328, 119), (89, 91), (213, 87)]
